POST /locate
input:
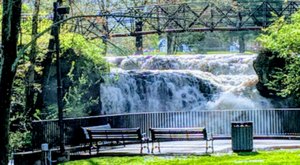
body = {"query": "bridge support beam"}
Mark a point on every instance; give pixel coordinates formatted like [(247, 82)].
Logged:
[(139, 38), (170, 43), (242, 43)]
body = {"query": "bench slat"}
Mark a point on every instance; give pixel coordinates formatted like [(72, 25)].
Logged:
[(178, 132), (104, 132)]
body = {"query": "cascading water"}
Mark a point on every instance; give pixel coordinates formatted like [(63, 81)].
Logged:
[(180, 83)]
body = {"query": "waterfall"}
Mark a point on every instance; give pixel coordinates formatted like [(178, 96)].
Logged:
[(180, 83)]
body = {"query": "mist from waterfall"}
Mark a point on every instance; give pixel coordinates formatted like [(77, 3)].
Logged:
[(181, 83)]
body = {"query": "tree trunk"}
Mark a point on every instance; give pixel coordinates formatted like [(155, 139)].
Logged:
[(43, 80), (10, 28), (30, 77)]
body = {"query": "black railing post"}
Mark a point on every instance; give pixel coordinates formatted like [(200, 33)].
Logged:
[(58, 13)]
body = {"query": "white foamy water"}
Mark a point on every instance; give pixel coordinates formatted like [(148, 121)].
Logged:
[(181, 83)]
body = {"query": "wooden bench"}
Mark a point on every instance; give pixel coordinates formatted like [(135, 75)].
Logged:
[(117, 136), (180, 134), (86, 137)]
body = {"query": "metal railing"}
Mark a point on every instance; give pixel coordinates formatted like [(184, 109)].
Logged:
[(266, 122)]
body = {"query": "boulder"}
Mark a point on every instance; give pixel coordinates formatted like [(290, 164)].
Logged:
[(265, 65)]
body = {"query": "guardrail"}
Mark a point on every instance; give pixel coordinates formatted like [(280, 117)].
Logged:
[(266, 123)]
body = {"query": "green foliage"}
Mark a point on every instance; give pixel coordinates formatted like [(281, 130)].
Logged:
[(90, 64), (84, 76), (261, 157), (91, 49), (79, 101), (20, 120), (192, 39), (284, 37), (122, 46), (19, 140), (19, 136)]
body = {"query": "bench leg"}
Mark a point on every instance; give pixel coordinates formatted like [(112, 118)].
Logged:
[(98, 147), (148, 146), (85, 146), (90, 148), (152, 149), (158, 147), (212, 145), (142, 147)]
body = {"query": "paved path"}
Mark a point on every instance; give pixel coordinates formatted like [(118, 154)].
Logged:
[(198, 147)]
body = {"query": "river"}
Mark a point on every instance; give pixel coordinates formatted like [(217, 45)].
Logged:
[(181, 83)]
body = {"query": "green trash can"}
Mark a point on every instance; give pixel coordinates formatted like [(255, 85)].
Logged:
[(242, 136)]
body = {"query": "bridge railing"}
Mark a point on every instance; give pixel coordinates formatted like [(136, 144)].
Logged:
[(266, 122)]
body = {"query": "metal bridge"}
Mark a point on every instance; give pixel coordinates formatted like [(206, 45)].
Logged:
[(185, 17), (157, 19)]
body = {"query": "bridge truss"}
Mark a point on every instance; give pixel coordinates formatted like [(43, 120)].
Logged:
[(191, 17)]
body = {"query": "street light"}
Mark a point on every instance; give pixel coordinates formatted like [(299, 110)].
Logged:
[(59, 11)]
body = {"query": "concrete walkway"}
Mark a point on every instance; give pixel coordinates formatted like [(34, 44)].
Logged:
[(197, 147)]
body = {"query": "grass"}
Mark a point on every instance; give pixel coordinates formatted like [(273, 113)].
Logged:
[(261, 157)]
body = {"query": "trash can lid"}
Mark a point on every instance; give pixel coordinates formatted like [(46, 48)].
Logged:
[(241, 122)]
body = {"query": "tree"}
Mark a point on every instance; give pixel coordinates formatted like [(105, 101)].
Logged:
[(10, 29), (30, 77), (283, 37)]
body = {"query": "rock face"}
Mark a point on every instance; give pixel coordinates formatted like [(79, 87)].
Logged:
[(81, 65), (265, 66)]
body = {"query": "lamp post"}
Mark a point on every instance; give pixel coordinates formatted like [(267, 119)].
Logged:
[(58, 13)]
